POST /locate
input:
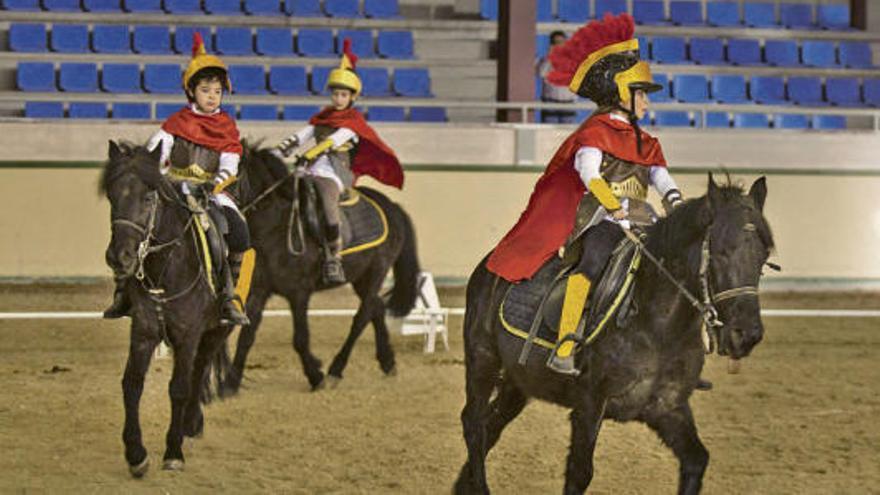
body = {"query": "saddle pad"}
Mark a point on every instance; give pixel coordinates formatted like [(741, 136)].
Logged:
[(522, 301), (364, 224)]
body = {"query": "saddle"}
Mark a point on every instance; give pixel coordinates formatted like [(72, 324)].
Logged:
[(210, 227), (538, 301)]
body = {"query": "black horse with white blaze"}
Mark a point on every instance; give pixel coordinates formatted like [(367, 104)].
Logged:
[(644, 371)]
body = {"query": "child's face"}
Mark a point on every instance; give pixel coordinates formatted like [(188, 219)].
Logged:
[(208, 95), (341, 98), (641, 103)]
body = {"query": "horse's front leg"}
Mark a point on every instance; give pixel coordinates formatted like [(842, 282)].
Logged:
[(679, 432), (586, 420), (179, 390), (140, 351), (299, 306)]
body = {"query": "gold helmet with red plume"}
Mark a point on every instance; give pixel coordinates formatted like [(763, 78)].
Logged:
[(344, 76), (201, 60), (601, 62)]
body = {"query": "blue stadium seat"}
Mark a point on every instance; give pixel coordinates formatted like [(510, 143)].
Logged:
[(142, 6), (718, 120), (61, 5), (782, 53), (183, 7), (382, 9), (165, 110), (78, 77), (303, 8), (35, 76), (871, 92), (707, 51), (829, 122), (183, 38), (760, 15), (751, 121), (26, 5), (102, 6), (412, 82), (819, 53), (315, 43), (768, 90), (223, 7), (162, 78), (27, 37), (571, 10), (375, 81), (843, 91), (288, 80), (130, 111), (723, 14), (44, 109), (833, 16), (686, 13), (544, 11), (396, 44), (542, 45), (234, 41), (489, 10), (248, 79), (729, 88), (806, 91), (427, 114), (741, 51), (299, 112), (613, 7), (258, 112), (70, 38), (341, 8), (796, 15), (856, 54), (644, 48), (669, 118), (650, 12), (277, 42), (664, 94), (690, 88), (668, 50), (87, 110), (361, 42), (153, 40), (318, 80), (386, 114), (262, 7), (121, 78), (791, 121), (111, 38)]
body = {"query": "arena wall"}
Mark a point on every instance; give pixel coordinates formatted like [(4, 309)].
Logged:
[(466, 185)]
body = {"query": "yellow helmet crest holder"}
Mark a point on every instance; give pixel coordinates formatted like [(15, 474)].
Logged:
[(344, 75), (201, 59)]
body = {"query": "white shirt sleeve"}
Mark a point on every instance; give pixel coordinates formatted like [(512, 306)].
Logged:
[(305, 134), (228, 166), (166, 140), (662, 181), (342, 136), (587, 162)]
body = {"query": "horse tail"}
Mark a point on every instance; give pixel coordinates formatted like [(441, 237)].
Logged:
[(406, 272)]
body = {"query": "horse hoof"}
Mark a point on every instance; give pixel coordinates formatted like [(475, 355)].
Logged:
[(140, 470), (392, 371), (172, 465), (333, 381), (734, 366)]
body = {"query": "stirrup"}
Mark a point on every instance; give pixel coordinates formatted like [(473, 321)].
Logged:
[(231, 315), (564, 365), (333, 272)]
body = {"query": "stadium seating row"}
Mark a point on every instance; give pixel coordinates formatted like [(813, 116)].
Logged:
[(141, 111), (748, 120), (380, 9), (246, 79), (240, 41), (690, 13)]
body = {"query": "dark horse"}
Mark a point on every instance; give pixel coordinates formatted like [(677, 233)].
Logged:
[(644, 371), (154, 247), (297, 276)]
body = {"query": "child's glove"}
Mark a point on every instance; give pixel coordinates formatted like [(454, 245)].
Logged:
[(286, 147)]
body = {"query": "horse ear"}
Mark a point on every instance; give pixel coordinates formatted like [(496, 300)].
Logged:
[(714, 191), (758, 193), (113, 151)]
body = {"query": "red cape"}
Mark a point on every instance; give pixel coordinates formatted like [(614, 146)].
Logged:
[(549, 218), (373, 157), (216, 131)]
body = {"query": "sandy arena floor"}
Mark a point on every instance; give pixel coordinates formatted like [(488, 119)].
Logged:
[(800, 418)]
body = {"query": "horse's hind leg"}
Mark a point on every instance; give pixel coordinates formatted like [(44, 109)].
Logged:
[(139, 354), (506, 406), (193, 419), (678, 431), (255, 304), (179, 390)]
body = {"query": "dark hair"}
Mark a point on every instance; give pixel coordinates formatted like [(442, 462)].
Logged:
[(557, 33), (207, 74)]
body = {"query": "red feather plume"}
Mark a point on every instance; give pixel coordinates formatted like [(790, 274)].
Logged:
[(198, 42), (596, 35), (346, 50)]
